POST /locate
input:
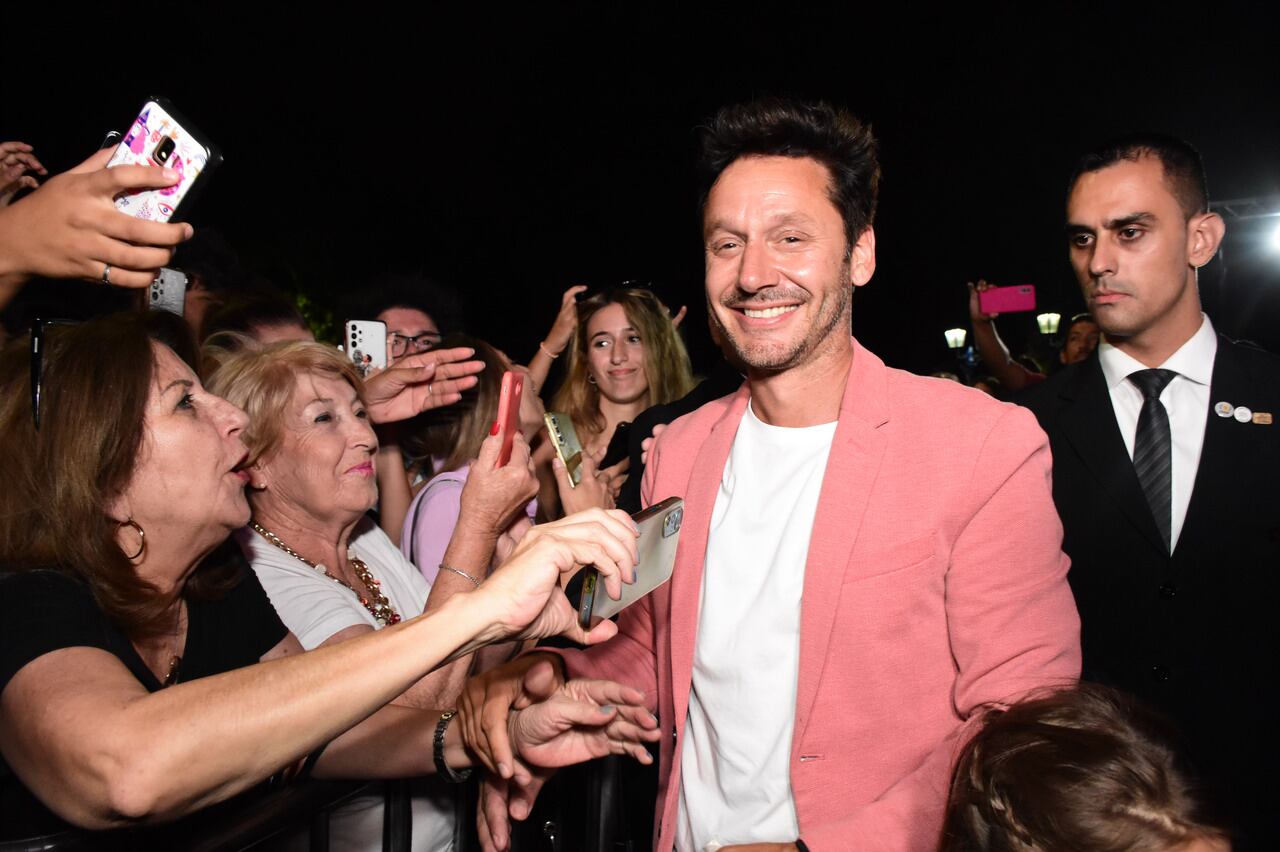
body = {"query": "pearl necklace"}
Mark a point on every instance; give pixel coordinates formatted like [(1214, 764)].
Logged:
[(376, 602)]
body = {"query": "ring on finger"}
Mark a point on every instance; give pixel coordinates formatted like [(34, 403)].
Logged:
[(106, 273)]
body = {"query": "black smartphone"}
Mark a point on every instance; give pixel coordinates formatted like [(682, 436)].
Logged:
[(619, 446)]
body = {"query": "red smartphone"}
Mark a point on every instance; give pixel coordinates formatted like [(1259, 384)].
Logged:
[(1007, 300), (509, 412)]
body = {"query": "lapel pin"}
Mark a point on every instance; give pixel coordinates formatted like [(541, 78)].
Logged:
[(1224, 409), (1262, 418), (1243, 414)]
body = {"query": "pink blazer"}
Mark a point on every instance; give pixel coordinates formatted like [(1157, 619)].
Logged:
[(935, 583)]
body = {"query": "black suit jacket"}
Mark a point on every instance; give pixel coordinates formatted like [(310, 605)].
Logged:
[(1193, 633)]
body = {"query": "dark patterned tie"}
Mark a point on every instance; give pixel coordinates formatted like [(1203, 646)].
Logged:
[(1152, 449)]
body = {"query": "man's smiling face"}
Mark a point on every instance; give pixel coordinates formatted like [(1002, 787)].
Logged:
[(779, 270)]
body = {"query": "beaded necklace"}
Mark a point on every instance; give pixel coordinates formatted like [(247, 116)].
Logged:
[(376, 602)]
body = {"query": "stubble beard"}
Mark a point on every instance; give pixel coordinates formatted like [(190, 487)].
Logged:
[(834, 316)]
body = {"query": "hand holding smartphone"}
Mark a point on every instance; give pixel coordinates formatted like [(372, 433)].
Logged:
[(366, 345), (159, 138), (659, 537), (1007, 300), (567, 446), (509, 412)]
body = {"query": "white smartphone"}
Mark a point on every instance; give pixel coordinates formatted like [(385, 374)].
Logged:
[(659, 536), (169, 291), (158, 137), (366, 345)]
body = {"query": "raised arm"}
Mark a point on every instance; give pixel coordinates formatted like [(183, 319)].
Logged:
[(1012, 375), (70, 228), (557, 339)]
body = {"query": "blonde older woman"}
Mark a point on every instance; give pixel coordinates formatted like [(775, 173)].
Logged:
[(330, 571)]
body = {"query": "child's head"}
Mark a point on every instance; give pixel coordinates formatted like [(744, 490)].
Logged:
[(1077, 769)]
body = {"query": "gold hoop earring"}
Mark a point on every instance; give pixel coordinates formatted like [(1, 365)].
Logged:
[(142, 537)]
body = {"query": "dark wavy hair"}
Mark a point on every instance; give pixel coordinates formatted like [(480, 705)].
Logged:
[(777, 127), (97, 379), (1080, 768)]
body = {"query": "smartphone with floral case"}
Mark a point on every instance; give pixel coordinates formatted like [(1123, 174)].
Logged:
[(160, 137)]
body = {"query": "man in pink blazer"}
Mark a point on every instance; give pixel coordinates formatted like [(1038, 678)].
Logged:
[(867, 556)]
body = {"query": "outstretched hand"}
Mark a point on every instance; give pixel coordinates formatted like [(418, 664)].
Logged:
[(420, 383), (524, 599), (16, 159), (551, 725), (577, 721)]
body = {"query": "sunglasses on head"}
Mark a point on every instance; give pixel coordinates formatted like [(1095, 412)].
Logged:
[(38, 329)]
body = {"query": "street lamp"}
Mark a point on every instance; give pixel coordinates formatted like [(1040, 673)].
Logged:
[(1049, 323)]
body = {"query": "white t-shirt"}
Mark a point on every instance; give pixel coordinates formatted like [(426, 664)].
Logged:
[(314, 608), (735, 764), (312, 605)]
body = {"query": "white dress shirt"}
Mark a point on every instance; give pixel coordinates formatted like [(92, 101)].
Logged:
[(735, 769), (1185, 398)]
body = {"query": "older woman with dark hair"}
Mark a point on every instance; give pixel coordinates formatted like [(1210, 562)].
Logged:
[(143, 676)]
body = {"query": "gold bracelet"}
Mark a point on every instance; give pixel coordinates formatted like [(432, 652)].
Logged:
[(552, 355), (460, 573)]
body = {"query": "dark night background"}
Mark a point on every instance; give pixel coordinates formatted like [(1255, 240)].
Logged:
[(512, 154)]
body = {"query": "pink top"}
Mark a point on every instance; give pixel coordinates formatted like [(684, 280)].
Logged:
[(432, 516)]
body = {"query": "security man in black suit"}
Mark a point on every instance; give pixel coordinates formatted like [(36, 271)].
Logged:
[(1167, 477)]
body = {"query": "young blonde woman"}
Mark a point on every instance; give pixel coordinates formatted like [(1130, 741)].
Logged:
[(623, 357)]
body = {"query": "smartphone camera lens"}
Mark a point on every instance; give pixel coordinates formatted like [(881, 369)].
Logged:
[(164, 151)]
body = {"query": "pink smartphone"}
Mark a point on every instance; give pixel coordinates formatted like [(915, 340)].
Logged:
[(509, 412), (1007, 300)]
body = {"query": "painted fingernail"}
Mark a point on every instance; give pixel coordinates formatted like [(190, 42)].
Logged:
[(606, 708), (493, 430)]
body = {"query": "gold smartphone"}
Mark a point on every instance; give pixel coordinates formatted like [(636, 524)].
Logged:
[(565, 439)]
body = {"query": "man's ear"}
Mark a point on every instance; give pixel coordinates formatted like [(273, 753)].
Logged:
[(862, 258), (1204, 235)]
